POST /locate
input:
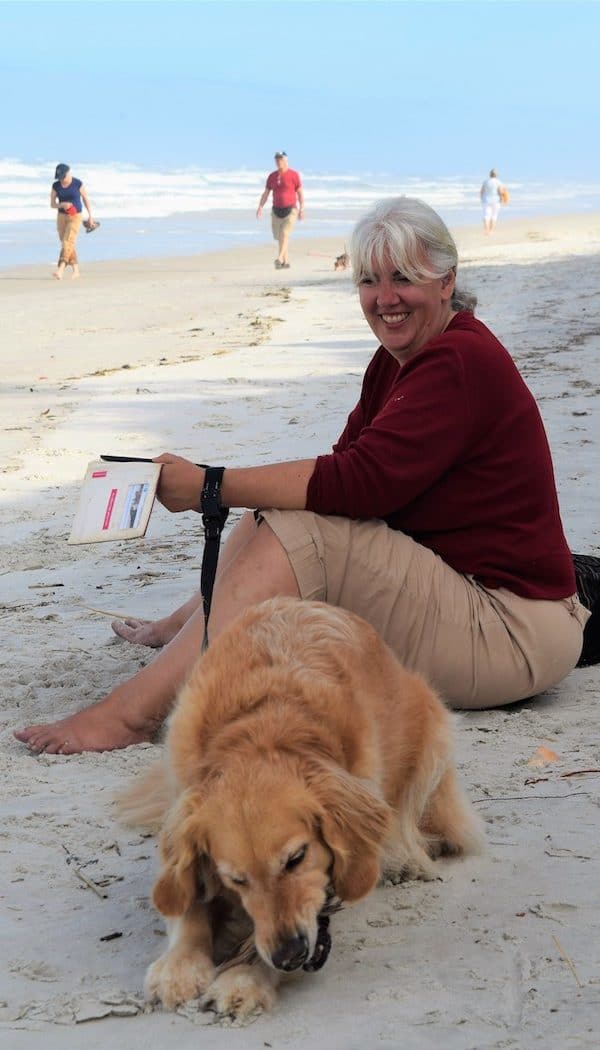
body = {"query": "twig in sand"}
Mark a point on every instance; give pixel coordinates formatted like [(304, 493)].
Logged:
[(90, 885), (106, 612), (566, 853), (566, 958), (579, 772), (526, 798), (572, 773), (78, 872)]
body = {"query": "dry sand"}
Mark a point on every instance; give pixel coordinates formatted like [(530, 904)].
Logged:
[(223, 359)]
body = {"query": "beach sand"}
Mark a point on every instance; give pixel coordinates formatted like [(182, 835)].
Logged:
[(224, 360)]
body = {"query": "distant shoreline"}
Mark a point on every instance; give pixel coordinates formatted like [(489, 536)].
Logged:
[(581, 227), (34, 242)]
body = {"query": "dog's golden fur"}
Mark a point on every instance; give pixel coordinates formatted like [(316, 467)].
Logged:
[(302, 759)]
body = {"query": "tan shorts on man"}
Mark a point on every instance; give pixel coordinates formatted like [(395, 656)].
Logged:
[(284, 225), (478, 647)]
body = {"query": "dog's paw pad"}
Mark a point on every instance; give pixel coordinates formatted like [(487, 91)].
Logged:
[(176, 978), (241, 993)]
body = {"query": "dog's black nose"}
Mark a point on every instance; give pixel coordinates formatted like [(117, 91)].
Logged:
[(290, 954)]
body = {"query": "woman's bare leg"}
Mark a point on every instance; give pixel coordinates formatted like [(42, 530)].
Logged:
[(156, 633), (133, 711)]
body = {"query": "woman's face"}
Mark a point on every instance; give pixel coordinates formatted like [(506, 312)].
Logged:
[(402, 315)]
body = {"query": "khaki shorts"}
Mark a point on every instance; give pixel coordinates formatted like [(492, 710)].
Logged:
[(478, 647), (285, 225)]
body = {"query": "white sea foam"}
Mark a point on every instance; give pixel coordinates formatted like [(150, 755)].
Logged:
[(186, 211), (126, 191)]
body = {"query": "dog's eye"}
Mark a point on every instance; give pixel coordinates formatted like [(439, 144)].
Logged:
[(238, 880), (295, 859)]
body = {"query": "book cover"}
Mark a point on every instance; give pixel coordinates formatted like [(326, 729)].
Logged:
[(115, 502)]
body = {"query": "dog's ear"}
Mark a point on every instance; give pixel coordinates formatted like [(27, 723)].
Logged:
[(187, 874), (354, 824)]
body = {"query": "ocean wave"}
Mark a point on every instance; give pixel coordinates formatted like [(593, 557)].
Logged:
[(127, 191)]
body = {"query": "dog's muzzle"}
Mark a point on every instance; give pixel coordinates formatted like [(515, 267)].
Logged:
[(292, 954)]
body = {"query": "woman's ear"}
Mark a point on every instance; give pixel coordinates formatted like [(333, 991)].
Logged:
[(449, 284), (355, 823), (181, 880)]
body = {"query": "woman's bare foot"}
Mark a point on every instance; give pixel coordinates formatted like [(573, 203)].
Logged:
[(154, 633), (157, 633), (75, 275), (102, 727)]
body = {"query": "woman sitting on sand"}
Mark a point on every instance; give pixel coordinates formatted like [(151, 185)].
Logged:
[(66, 196), (435, 517)]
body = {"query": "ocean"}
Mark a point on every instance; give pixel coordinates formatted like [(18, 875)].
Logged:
[(145, 213)]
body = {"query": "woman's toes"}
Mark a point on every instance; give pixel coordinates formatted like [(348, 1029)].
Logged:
[(127, 629), (140, 632)]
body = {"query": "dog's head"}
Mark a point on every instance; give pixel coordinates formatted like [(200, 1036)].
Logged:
[(280, 835)]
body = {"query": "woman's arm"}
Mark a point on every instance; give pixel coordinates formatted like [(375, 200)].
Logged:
[(54, 201), (281, 485), (85, 200)]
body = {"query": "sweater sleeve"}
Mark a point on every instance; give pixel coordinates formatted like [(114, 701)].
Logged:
[(420, 431)]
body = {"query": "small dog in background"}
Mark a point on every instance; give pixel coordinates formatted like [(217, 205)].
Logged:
[(342, 261), (303, 761)]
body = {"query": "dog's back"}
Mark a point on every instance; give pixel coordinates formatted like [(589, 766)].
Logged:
[(306, 675)]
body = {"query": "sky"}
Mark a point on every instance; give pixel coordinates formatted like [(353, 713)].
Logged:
[(419, 88)]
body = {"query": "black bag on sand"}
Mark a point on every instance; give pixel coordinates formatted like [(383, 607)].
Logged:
[(587, 574)]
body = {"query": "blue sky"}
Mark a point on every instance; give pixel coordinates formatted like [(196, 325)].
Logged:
[(414, 88)]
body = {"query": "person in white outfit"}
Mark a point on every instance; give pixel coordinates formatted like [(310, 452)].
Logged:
[(490, 195)]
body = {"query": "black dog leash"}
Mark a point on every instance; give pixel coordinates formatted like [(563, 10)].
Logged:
[(214, 517)]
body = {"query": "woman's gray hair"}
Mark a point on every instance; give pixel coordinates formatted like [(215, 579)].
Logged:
[(413, 237)]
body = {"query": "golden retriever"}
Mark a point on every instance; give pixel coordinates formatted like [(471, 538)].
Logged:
[(302, 763)]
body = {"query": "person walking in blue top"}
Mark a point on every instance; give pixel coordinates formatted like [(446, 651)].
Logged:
[(68, 196)]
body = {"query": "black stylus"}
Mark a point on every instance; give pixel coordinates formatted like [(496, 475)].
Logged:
[(136, 459), (126, 459)]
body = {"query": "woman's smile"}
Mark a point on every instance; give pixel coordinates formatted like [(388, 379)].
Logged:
[(394, 318)]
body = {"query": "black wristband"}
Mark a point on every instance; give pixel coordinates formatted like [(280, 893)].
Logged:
[(210, 498)]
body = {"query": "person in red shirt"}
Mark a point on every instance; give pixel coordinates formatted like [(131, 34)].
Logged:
[(288, 205), (435, 516)]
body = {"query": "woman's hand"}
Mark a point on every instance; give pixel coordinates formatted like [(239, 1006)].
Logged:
[(180, 484)]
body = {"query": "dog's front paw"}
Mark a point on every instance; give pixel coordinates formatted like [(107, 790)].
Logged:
[(177, 977), (242, 992)]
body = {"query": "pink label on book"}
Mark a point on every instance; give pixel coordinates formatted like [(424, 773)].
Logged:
[(109, 509), (99, 473)]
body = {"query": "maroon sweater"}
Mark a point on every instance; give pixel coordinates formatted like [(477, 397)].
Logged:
[(451, 449)]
